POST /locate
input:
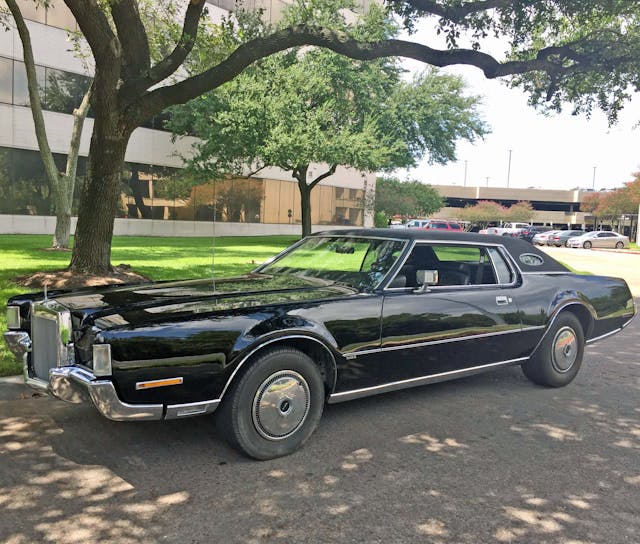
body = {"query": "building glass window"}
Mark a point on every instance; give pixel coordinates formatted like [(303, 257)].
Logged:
[(6, 80), (20, 86), (64, 91), (6, 189)]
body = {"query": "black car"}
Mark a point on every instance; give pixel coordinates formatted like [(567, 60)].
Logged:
[(338, 316)]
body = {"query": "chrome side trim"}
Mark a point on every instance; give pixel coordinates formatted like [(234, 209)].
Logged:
[(171, 361), (278, 339), (422, 380), (547, 273), (178, 411), (610, 333), (435, 342), (74, 384)]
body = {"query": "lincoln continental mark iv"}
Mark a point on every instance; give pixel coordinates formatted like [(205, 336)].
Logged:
[(337, 316)]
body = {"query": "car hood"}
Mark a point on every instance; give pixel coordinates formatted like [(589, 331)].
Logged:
[(147, 303)]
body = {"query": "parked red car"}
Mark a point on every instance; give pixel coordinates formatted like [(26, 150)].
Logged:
[(442, 225)]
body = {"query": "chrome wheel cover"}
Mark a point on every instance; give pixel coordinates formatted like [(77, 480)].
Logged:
[(564, 350), (281, 405)]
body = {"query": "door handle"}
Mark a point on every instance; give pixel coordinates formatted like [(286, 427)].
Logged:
[(502, 300)]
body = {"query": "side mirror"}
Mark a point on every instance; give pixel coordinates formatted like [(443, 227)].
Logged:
[(424, 279)]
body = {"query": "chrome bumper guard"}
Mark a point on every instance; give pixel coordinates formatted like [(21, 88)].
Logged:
[(75, 384), (19, 343)]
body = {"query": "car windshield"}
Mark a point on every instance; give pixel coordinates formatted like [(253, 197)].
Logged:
[(361, 263)]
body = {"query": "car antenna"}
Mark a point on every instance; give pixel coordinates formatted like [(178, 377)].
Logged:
[(213, 241)]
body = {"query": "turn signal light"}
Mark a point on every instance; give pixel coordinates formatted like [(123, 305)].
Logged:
[(102, 360), (13, 317)]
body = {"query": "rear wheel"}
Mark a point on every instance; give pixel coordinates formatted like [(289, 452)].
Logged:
[(619, 245), (275, 406), (559, 356), (586, 245)]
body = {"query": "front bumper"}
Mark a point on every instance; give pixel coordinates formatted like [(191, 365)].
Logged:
[(77, 384)]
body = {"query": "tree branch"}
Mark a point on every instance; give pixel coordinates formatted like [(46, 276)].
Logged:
[(132, 36), (95, 28), (172, 62), (79, 116), (328, 173), (157, 100)]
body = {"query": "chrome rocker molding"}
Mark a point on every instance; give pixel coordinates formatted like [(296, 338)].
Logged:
[(422, 380), (610, 333)]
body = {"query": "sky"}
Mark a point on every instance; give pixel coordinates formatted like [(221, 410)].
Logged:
[(558, 151)]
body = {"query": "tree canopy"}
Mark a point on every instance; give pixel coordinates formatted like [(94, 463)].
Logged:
[(301, 107), (486, 211), (406, 198)]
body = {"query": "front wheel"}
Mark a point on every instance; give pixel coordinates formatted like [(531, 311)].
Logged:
[(559, 356), (275, 406), (587, 245), (619, 245)]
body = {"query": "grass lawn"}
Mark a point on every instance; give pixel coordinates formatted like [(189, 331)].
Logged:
[(156, 258)]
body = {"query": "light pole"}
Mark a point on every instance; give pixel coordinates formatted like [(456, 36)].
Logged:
[(465, 173), (487, 181), (509, 169), (593, 183)]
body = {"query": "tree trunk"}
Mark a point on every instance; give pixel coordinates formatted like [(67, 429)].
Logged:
[(305, 207), (99, 202), (63, 198), (300, 173)]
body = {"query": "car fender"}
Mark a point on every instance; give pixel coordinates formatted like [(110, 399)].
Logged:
[(577, 304), (295, 337)]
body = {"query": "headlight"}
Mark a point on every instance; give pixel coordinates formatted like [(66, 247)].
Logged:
[(13, 317), (102, 360)]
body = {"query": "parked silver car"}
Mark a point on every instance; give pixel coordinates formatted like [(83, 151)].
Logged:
[(541, 238), (560, 238), (599, 238)]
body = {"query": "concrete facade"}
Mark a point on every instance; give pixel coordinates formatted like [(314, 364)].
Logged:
[(552, 207)]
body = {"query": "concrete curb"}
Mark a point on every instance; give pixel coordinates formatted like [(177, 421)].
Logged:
[(623, 251), (18, 379)]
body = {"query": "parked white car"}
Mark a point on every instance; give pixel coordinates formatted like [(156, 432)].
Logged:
[(599, 238), (417, 223)]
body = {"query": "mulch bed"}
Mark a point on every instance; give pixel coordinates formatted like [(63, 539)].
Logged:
[(64, 279)]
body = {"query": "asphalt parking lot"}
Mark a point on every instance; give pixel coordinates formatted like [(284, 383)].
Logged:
[(491, 458)]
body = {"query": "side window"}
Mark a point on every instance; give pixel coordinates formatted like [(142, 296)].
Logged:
[(445, 265), (504, 273)]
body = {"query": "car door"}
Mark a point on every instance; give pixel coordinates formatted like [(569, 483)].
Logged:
[(464, 320), (605, 239)]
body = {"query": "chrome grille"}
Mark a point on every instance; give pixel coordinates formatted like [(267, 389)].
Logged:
[(50, 334)]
